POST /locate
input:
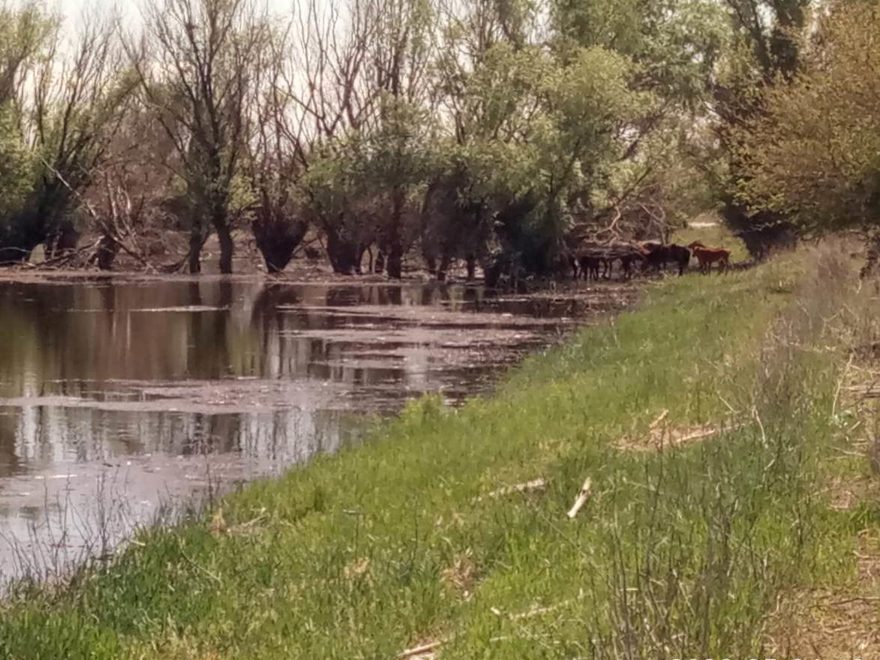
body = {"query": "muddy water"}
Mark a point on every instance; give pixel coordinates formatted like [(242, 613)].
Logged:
[(120, 397)]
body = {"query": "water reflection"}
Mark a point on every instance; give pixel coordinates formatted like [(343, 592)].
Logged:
[(166, 384)]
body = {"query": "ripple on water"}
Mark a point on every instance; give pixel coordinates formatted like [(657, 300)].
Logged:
[(123, 398)]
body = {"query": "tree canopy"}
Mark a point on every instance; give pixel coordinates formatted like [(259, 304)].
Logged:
[(486, 130), (814, 153)]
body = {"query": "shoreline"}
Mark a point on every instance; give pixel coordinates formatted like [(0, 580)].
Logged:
[(449, 529)]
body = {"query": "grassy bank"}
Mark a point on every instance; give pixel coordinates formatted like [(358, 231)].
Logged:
[(679, 552)]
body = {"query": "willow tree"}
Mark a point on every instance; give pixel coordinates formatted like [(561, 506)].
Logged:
[(484, 83), (277, 156), (68, 111), (593, 115), (25, 33), (337, 101), (195, 66), (400, 56), (672, 48), (813, 154), (763, 49)]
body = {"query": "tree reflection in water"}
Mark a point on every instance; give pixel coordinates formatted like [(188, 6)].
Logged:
[(160, 381)]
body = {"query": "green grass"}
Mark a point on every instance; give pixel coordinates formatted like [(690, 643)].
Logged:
[(366, 553), (717, 235)]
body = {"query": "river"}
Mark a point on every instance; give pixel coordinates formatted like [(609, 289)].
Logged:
[(124, 400)]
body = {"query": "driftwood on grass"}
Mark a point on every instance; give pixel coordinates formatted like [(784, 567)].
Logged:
[(531, 612), (659, 419), (421, 649), (526, 487), (661, 436), (865, 391), (582, 498)]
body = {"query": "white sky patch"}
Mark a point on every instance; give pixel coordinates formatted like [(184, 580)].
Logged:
[(130, 10)]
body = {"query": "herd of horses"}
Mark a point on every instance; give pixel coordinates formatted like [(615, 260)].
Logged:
[(595, 261)]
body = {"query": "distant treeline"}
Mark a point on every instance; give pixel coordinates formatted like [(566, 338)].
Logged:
[(483, 130)]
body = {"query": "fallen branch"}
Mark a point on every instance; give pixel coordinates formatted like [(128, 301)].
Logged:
[(68, 257), (582, 498), (659, 437), (657, 421), (865, 391), (421, 649), (532, 612), (109, 228), (696, 435), (840, 385), (528, 486)]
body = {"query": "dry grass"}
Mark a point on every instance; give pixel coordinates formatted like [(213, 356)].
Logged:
[(462, 575), (843, 620), (665, 436), (833, 623)]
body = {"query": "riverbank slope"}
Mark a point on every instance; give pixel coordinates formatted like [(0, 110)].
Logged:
[(706, 420)]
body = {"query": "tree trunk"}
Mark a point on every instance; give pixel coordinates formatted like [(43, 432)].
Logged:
[(381, 262), (343, 254), (106, 253), (395, 261), (443, 268), (471, 268), (227, 247), (394, 264), (872, 256), (195, 251), (277, 238), (762, 233), (68, 238)]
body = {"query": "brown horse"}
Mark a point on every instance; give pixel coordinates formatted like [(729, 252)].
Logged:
[(589, 266), (657, 255), (707, 256)]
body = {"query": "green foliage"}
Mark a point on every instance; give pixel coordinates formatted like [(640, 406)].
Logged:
[(763, 49), (25, 30), (15, 164), (814, 152), (674, 44), (398, 153), (349, 182)]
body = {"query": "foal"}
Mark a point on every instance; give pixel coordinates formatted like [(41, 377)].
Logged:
[(708, 256)]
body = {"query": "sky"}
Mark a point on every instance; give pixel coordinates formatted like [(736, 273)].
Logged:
[(72, 9)]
